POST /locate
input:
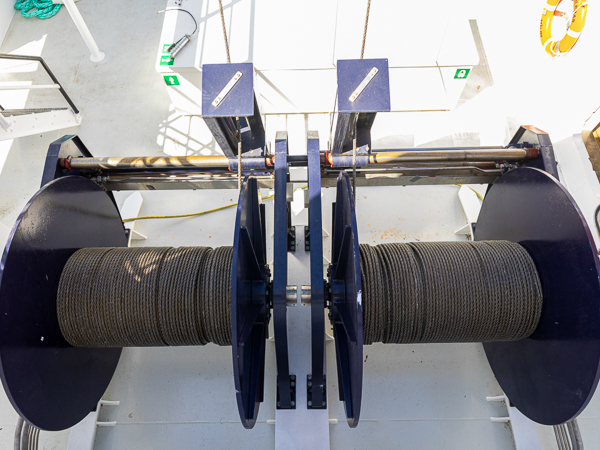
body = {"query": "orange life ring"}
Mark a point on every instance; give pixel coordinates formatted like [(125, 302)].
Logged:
[(576, 23)]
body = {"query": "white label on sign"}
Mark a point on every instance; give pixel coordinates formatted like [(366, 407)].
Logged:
[(219, 98), (363, 84)]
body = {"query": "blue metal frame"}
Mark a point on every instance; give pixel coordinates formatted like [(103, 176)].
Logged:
[(374, 98), (239, 103), (529, 136), (249, 306), (285, 394), (317, 394), (69, 145), (345, 285)]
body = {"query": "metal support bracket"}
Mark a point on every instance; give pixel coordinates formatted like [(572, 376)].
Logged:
[(317, 401), (317, 306), (68, 145), (83, 434), (363, 90), (530, 136), (286, 393), (291, 235), (227, 94), (307, 239), (292, 394)]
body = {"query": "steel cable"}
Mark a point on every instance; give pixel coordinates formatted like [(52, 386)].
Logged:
[(224, 31), (146, 297), (364, 40), (426, 292)]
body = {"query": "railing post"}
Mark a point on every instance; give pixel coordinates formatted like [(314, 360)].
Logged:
[(96, 55)]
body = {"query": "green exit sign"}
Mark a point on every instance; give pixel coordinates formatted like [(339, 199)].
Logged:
[(165, 60), (171, 80), (461, 74)]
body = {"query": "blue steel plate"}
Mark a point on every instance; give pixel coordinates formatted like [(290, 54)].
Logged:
[(249, 318), (50, 384), (376, 95), (240, 99), (346, 307), (550, 376)]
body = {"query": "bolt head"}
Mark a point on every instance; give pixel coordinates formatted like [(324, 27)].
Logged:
[(292, 384), (292, 403), (309, 403), (309, 383), (324, 403)]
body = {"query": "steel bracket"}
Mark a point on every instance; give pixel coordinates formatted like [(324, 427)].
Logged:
[(372, 98), (317, 306), (318, 401), (236, 100), (530, 136), (286, 393)]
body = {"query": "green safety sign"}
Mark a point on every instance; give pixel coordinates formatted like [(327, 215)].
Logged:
[(165, 58), (461, 74), (171, 80)]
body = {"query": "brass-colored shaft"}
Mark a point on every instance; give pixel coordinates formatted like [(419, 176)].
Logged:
[(475, 155)]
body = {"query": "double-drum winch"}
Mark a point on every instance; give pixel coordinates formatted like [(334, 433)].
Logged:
[(72, 294)]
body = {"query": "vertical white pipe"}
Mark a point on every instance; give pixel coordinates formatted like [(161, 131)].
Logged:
[(96, 55)]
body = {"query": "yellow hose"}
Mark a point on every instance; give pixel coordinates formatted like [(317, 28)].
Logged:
[(201, 213), (476, 193)]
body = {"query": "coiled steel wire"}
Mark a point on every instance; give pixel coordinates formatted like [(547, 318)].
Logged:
[(441, 292), (146, 297)]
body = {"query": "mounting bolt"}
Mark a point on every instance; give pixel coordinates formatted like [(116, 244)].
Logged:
[(278, 403), (309, 383), (292, 384), (309, 403), (324, 403), (292, 403), (309, 377)]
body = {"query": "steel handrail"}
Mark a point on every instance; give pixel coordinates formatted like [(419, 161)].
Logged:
[(48, 71)]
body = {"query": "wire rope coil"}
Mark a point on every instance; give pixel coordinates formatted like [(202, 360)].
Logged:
[(576, 23), (146, 297), (441, 292)]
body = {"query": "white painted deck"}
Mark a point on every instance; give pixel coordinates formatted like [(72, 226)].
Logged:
[(414, 396)]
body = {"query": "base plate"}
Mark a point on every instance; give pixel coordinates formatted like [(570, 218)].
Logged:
[(52, 385), (550, 376)]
